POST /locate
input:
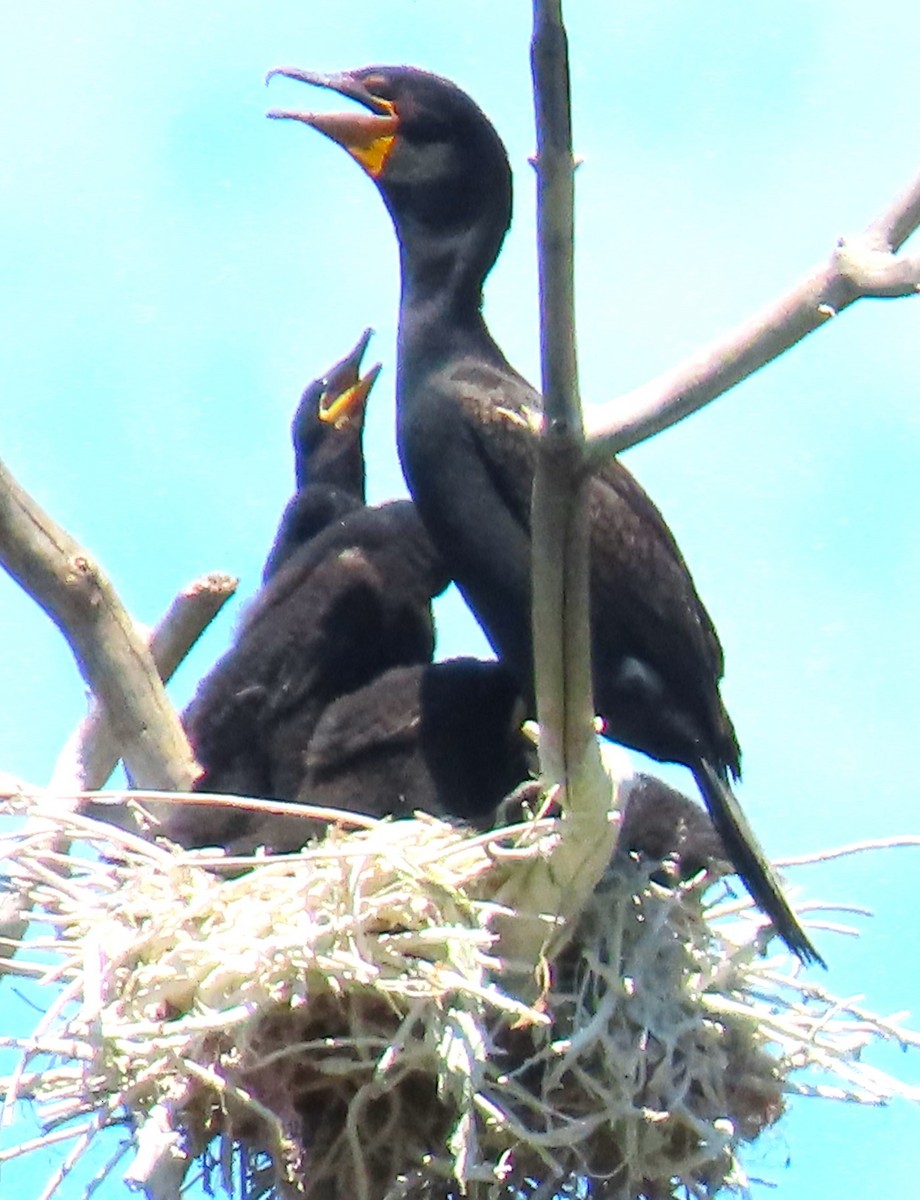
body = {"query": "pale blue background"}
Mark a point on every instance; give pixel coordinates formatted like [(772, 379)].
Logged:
[(173, 269)]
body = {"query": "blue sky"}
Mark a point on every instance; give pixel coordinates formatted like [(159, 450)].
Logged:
[(174, 268)]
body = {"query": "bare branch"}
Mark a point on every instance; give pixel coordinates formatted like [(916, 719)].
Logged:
[(861, 266), (92, 752), (569, 755), (562, 639), (112, 658), (555, 167), (894, 226)]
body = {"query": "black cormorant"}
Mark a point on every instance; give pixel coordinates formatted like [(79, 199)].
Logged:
[(327, 434), (442, 738), (347, 603), (445, 738), (465, 426), (661, 823)]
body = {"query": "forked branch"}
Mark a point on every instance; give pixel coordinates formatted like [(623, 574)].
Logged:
[(113, 659)]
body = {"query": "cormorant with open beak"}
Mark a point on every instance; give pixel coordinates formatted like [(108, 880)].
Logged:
[(348, 597), (327, 433), (466, 425)]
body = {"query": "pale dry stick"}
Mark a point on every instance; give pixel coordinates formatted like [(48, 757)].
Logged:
[(76, 1152), (250, 803), (822, 856), (558, 884), (561, 617), (92, 751), (863, 266), (57, 1006), (160, 1162), (113, 660), (39, 1143)]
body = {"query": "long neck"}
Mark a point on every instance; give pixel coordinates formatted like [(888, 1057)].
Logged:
[(441, 294), (338, 461)]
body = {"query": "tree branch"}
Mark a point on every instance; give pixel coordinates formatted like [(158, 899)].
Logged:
[(861, 266), (570, 760), (113, 660), (561, 540), (562, 643), (91, 753)]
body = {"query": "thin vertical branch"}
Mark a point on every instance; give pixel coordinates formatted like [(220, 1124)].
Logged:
[(555, 167), (562, 641), (557, 884)]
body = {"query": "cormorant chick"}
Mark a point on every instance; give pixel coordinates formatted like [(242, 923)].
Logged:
[(350, 604), (660, 822), (327, 433), (339, 609), (443, 738), (465, 428)]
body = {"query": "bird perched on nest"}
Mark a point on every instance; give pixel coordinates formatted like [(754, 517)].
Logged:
[(347, 598), (466, 424), (445, 738), (328, 695), (442, 738), (660, 823)]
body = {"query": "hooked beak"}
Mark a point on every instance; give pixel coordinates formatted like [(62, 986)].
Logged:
[(345, 392), (367, 136)]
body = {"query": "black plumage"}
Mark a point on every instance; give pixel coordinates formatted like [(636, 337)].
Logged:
[(329, 472), (661, 823), (441, 738), (444, 738), (346, 604), (466, 422)]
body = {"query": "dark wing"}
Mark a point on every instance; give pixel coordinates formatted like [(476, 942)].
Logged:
[(502, 411), (636, 554), (384, 713), (635, 557), (644, 602)]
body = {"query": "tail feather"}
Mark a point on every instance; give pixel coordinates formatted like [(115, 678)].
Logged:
[(750, 861)]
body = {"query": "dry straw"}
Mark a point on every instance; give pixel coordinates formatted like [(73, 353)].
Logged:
[(335, 1024)]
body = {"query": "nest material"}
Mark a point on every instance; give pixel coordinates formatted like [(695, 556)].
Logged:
[(339, 1020)]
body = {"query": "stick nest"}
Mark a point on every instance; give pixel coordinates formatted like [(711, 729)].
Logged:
[(336, 1024)]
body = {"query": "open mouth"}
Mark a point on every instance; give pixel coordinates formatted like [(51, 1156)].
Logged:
[(345, 390), (367, 136)]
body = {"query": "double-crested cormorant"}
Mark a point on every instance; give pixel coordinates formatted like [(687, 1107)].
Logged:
[(660, 822), (465, 426), (328, 457), (349, 602), (444, 738)]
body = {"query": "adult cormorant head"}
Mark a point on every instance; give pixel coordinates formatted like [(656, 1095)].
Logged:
[(438, 162)]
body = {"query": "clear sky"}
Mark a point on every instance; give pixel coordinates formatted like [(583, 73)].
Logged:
[(174, 268)]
